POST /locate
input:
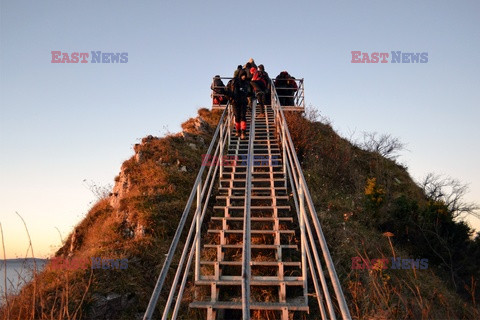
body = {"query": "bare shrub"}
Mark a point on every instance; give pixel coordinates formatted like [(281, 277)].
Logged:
[(384, 144), (312, 114), (451, 192), (100, 192)]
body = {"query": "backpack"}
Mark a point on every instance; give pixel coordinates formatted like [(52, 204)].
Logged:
[(234, 89), (230, 88), (262, 77)]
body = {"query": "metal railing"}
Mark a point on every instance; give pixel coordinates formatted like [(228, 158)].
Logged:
[(201, 190), (310, 230), (216, 95), (291, 97), (307, 216), (293, 101)]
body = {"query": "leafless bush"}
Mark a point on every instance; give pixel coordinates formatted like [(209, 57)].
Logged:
[(100, 192), (314, 115), (4, 269), (384, 144), (451, 192)]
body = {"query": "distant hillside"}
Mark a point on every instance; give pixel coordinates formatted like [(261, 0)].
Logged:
[(369, 206), (22, 260)]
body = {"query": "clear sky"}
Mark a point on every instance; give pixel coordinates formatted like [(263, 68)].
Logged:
[(63, 123)]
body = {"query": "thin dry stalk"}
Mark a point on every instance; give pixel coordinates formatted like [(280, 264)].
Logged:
[(66, 298), (84, 294), (389, 235), (382, 293), (5, 271), (60, 235), (54, 301), (62, 303), (416, 294), (471, 290), (34, 267)]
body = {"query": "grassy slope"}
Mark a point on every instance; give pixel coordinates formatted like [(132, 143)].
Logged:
[(359, 196), (139, 219)]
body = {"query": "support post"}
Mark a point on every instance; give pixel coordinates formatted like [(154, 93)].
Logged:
[(197, 235), (301, 198), (220, 160), (284, 151)]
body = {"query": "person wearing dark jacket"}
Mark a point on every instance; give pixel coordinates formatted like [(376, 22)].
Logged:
[(218, 88), (248, 66), (259, 84), (292, 88), (286, 88), (269, 84), (249, 76), (252, 63), (235, 74), (239, 92)]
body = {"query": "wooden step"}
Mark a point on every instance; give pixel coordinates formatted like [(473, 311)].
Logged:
[(228, 175), (255, 263), (252, 231), (253, 197), (255, 219), (252, 207), (298, 304), (241, 190), (273, 141), (254, 180), (253, 282), (232, 155), (253, 246), (271, 146), (244, 166)]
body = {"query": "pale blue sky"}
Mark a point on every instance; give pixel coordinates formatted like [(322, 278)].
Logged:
[(63, 123)]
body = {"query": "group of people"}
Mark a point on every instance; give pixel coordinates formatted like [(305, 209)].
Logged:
[(250, 81), (286, 87)]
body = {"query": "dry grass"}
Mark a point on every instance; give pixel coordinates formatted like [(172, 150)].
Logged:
[(336, 173), (139, 229), (50, 294)]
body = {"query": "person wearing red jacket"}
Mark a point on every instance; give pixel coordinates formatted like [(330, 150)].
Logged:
[(260, 84)]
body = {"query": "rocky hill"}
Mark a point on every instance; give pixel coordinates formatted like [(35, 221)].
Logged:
[(372, 213)]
